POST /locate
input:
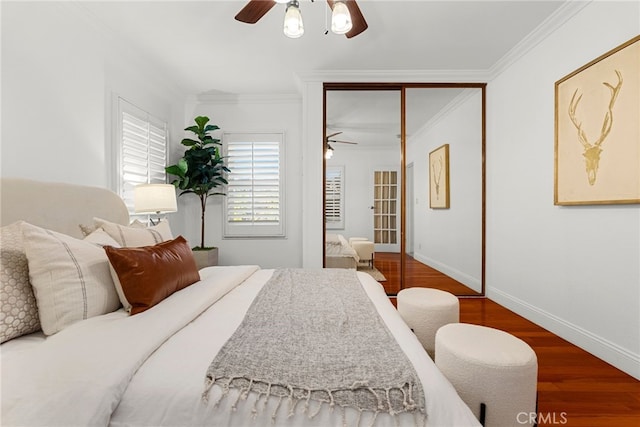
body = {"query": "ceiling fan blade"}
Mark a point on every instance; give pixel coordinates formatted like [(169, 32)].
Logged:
[(333, 134), (343, 142), (254, 10), (359, 23)]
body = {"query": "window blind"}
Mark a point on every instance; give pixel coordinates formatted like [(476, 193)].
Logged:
[(142, 150), (253, 204), (334, 197)]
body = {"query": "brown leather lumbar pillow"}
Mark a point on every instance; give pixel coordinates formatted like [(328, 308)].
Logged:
[(149, 274)]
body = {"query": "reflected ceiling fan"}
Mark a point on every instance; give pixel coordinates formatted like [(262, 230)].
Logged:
[(346, 17), (328, 149)]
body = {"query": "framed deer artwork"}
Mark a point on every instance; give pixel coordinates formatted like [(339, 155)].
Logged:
[(597, 130), (439, 178)]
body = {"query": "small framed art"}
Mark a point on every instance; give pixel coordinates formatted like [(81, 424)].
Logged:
[(439, 178)]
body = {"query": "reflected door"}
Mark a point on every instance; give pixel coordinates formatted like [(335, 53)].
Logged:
[(386, 224)]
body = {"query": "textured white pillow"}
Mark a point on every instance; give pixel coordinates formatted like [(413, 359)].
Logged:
[(70, 278), (134, 235), (18, 309)]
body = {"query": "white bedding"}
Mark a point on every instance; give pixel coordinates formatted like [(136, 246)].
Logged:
[(338, 252), (149, 369)]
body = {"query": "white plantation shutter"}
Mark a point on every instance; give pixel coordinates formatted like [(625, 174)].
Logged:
[(142, 150), (254, 202), (334, 197)]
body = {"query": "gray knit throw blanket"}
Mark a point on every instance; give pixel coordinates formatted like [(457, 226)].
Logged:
[(314, 335)]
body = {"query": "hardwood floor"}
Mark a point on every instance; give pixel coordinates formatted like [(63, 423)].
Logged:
[(575, 388), (588, 391), (421, 275)]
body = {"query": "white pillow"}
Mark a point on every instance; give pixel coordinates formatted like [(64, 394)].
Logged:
[(332, 239), (70, 278), (134, 235), (18, 309), (101, 238)]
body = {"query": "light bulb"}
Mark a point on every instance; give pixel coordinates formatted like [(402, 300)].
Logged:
[(329, 153), (340, 18), (293, 27)]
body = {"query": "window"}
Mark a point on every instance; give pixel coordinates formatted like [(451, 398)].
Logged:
[(141, 150), (254, 202), (334, 197)]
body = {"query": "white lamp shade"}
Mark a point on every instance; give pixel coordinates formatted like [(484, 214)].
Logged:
[(340, 18), (154, 198), (293, 27)]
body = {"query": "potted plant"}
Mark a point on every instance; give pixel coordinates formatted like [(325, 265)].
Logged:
[(201, 171)]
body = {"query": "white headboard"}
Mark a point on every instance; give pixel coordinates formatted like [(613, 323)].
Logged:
[(57, 206)]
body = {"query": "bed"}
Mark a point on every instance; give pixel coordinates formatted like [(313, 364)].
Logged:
[(339, 253), (164, 365)]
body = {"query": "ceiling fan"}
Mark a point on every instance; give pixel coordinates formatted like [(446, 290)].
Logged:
[(328, 151), (346, 18), (338, 141)]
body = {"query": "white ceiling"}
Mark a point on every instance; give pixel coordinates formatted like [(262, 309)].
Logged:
[(372, 118), (205, 50)]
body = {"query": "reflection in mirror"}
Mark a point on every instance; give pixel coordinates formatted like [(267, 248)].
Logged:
[(362, 183), (444, 244), (366, 201)]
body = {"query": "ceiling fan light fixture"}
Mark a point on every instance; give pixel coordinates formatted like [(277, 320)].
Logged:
[(293, 26), (328, 152), (341, 18)]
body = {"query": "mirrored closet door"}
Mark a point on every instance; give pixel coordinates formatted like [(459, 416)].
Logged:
[(386, 176)]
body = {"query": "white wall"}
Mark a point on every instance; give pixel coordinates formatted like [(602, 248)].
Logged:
[(573, 270), (359, 163), (249, 114), (59, 73), (450, 240)]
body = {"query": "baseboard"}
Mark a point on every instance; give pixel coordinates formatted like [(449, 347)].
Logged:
[(611, 353), (470, 281)]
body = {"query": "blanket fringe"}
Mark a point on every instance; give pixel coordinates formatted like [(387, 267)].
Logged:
[(208, 383), (293, 395)]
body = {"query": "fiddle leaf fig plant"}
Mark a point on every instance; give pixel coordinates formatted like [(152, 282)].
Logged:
[(201, 171)]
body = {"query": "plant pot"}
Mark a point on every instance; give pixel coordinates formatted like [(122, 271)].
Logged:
[(205, 257)]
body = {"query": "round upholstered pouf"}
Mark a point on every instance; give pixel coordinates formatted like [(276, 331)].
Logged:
[(491, 367), (425, 310)]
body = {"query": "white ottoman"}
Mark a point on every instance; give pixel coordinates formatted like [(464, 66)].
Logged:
[(489, 368), (365, 250), (425, 310), (356, 239)]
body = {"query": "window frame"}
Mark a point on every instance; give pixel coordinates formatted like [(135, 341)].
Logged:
[(122, 106), (237, 230)]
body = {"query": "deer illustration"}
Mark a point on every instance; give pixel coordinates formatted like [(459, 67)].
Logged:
[(437, 175), (592, 150)]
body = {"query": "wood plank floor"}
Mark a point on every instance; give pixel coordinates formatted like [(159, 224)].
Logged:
[(588, 391), (421, 275), (575, 388)]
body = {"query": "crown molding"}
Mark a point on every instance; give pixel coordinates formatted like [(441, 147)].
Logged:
[(394, 76), (256, 98), (554, 21)]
